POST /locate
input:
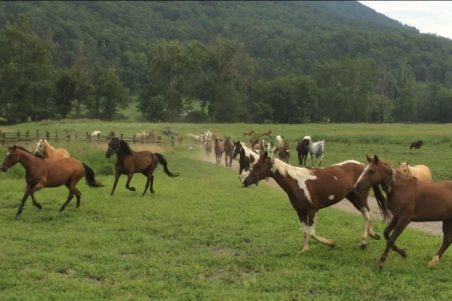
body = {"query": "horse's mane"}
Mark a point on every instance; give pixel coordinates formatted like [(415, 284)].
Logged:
[(348, 161), (292, 171), (125, 147), (249, 152), (27, 151)]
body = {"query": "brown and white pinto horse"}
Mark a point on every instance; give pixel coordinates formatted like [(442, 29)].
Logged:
[(246, 159), (41, 173), (129, 162), (420, 172), (409, 200), (46, 151), (311, 190)]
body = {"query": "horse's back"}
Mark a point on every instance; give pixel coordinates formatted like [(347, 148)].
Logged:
[(421, 172)]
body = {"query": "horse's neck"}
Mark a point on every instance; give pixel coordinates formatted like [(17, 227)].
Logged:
[(28, 161), (250, 153)]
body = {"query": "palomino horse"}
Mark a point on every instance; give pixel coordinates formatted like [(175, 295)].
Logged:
[(409, 200), (228, 151), (311, 190), (46, 151), (129, 162), (303, 150), (420, 172), (246, 159), (41, 173), (219, 150), (317, 149)]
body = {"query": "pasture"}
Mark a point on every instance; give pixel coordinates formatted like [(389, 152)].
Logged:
[(203, 237)]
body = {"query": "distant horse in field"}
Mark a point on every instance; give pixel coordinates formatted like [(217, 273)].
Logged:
[(46, 151), (409, 200), (420, 172), (180, 138), (249, 133), (303, 147), (246, 159), (129, 162), (228, 151), (41, 173), (316, 149), (284, 152), (208, 147), (416, 144), (96, 134), (311, 190), (219, 150), (279, 141)]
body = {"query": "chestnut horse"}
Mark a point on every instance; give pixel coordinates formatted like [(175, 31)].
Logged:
[(219, 150), (228, 151), (41, 173), (311, 190), (129, 162), (409, 200), (46, 151), (420, 172)]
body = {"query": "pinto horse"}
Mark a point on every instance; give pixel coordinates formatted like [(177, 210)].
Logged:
[(129, 162), (420, 172), (246, 159), (46, 151), (228, 151), (41, 173), (311, 190), (409, 200), (303, 150)]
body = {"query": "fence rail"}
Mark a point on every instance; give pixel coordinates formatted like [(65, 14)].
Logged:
[(9, 137)]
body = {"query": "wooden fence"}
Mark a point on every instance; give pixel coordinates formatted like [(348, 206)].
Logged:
[(10, 137)]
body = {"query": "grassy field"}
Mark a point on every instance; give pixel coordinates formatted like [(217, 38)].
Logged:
[(203, 237)]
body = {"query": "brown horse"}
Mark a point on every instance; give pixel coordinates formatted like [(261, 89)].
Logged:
[(409, 200), (420, 172), (311, 190), (303, 150), (219, 150), (284, 152), (46, 151), (129, 162), (228, 151), (41, 173)]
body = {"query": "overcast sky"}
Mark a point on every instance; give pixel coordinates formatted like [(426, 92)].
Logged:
[(427, 16)]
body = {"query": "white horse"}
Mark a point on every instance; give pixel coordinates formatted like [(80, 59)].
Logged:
[(96, 134), (316, 149)]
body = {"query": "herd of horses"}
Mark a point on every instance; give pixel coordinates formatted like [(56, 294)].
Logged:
[(403, 194)]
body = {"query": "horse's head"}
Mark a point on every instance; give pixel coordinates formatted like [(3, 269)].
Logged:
[(376, 172), (113, 147), (40, 148), (12, 157), (260, 170), (236, 149), (405, 168)]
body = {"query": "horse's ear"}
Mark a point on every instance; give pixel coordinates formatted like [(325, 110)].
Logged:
[(369, 159), (376, 160)]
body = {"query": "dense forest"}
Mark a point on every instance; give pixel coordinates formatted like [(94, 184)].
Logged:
[(273, 61)]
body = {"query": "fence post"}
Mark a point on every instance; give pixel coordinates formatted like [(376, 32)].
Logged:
[(56, 135), (47, 135), (27, 134), (122, 136), (18, 135), (133, 139), (172, 140), (37, 134), (88, 137)]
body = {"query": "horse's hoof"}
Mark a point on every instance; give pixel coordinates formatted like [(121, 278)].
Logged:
[(375, 236), (132, 188), (17, 216), (304, 250), (380, 266), (363, 245), (403, 253), (433, 262)]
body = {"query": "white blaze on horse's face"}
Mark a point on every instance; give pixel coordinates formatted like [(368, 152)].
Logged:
[(39, 149)]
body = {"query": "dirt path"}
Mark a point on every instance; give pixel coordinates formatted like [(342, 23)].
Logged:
[(428, 227)]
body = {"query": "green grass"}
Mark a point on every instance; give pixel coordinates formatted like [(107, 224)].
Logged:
[(203, 237)]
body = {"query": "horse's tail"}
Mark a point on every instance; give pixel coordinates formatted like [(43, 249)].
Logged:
[(89, 177), (382, 203), (162, 161)]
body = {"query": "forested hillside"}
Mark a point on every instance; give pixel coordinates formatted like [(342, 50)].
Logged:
[(271, 61)]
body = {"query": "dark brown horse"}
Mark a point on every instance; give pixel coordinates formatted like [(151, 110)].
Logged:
[(416, 144), (41, 173), (129, 162), (303, 150), (228, 151), (219, 149), (409, 200), (311, 190)]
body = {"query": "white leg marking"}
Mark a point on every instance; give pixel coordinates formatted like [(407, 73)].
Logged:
[(331, 197), (433, 262)]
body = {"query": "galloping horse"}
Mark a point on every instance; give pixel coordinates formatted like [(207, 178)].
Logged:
[(246, 159), (129, 162), (420, 172), (311, 190), (317, 149), (409, 200), (219, 150), (46, 151), (41, 173), (416, 144), (228, 151), (303, 150)]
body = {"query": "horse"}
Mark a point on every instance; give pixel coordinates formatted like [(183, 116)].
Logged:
[(219, 150), (316, 149), (279, 141), (416, 144), (311, 190), (303, 147), (228, 151), (96, 134), (249, 133), (46, 151), (284, 152), (41, 173), (208, 147), (408, 200), (180, 138), (246, 159), (420, 172), (129, 162)]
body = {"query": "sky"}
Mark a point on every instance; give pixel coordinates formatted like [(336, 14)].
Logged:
[(427, 16)]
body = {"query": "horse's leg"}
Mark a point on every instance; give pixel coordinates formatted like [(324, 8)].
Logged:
[(69, 198), (447, 240), (401, 224), (37, 205), (78, 195), (129, 178), (22, 203), (146, 186), (359, 202), (151, 187), (325, 241), (387, 232), (303, 217), (117, 175), (300, 158)]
